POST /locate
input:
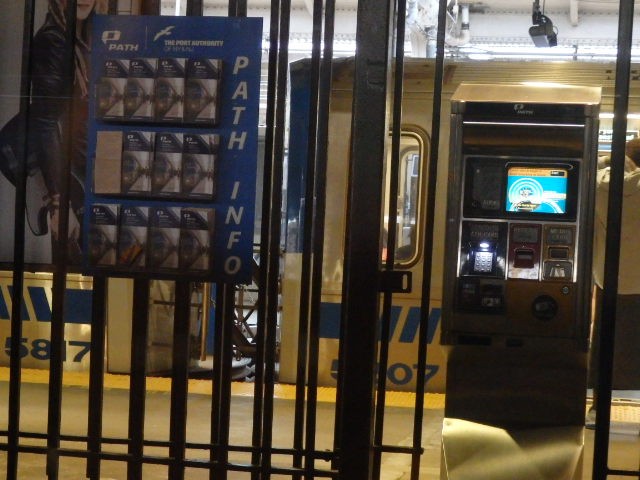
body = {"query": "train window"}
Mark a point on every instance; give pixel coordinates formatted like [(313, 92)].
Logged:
[(408, 207)]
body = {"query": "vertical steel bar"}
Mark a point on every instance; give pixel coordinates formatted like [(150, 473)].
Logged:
[(60, 258), (195, 8), (179, 380), (150, 7), (273, 259), (324, 95), (383, 358), (612, 246), (137, 380), (308, 227), (216, 384), (180, 353), (237, 8), (427, 247), (139, 336), (359, 335), (227, 365), (15, 371), (96, 360), (265, 276), (221, 403), (96, 376)]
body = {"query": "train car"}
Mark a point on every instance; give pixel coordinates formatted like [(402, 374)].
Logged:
[(417, 107)]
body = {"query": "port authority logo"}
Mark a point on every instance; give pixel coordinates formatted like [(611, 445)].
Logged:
[(164, 32), (521, 109), (111, 38)]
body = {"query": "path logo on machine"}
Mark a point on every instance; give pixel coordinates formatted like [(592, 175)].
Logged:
[(521, 109)]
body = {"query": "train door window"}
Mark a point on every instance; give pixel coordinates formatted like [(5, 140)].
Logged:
[(413, 152)]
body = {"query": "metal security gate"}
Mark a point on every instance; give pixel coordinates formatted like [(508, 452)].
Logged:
[(358, 430), (359, 413)]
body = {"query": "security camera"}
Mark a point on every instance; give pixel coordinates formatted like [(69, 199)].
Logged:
[(542, 31)]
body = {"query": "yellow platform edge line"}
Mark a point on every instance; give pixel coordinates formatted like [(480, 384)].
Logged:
[(203, 387)]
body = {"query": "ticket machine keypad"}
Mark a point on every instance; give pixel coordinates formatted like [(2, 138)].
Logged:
[(483, 262), (493, 253)]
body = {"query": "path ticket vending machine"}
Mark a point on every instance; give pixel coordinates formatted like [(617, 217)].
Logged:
[(517, 281)]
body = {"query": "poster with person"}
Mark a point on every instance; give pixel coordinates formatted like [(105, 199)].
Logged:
[(56, 120)]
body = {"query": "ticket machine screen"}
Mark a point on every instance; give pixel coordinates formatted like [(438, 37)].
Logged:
[(520, 187), (536, 190)]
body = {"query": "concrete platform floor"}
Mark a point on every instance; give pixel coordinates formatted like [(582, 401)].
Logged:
[(625, 438)]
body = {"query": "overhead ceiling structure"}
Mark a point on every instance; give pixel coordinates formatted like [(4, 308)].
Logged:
[(585, 29)]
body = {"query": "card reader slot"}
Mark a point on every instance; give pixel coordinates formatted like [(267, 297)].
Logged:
[(523, 258)]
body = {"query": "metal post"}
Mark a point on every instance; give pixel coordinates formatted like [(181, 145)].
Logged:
[(320, 190), (137, 381), (96, 376), (221, 398), (13, 435), (216, 383), (60, 259), (425, 304), (385, 324), (274, 150), (359, 321), (612, 248), (270, 208), (150, 7), (194, 8), (179, 380), (308, 227)]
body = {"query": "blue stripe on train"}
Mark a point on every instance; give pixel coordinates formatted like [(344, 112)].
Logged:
[(330, 322), (77, 305)]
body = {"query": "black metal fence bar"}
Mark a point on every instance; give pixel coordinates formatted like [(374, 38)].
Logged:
[(612, 248), (237, 8), (137, 377), (227, 366), (393, 173), (216, 376), (18, 253), (308, 226), (60, 257), (179, 380), (150, 7), (427, 247), (97, 359), (139, 336), (180, 352), (320, 183), (221, 399), (195, 8), (267, 246), (96, 376), (359, 329), (276, 138)]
